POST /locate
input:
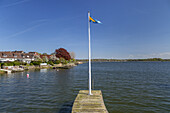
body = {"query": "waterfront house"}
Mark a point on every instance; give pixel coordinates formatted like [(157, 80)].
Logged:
[(10, 56), (6, 56)]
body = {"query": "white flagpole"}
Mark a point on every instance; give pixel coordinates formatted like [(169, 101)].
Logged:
[(89, 55)]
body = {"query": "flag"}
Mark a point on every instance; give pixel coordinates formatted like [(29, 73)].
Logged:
[(94, 20)]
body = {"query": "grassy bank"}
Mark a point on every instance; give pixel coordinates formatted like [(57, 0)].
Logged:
[(2, 72)]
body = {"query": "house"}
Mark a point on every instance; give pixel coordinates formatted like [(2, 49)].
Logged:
[(10, 56), (27, 57), (6, 56)]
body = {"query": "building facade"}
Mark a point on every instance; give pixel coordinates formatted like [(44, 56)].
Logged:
[(10, 56)]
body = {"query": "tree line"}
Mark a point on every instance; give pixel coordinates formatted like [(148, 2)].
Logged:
[(124, 60)]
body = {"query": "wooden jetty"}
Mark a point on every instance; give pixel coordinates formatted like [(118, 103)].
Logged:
[(85, 103)]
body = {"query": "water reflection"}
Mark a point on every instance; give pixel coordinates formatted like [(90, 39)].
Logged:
[(43, 70), (126, 87)]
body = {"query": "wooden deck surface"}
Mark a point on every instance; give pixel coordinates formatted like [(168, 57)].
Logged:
[(85, 103)]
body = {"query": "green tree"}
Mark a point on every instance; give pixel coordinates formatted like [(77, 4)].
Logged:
[(45, 54), (16, 63), (27, 64), (72, 60), (51, 63), (36, 62), (10, 64), (65, 62), (31, 64), (62, 60), (5, 64), (57, 61), (45, 59)]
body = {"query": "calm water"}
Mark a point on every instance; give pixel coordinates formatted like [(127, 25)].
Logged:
[(127, 87)]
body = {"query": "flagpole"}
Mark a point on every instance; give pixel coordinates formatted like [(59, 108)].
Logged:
[(89, 55)]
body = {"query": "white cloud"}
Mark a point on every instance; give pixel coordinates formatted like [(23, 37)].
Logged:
[(14, 3)]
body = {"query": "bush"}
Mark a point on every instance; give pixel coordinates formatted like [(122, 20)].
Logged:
[(51, 63), (36, 62), (31, 64), (57, 61), (62, 60), (65, 62), (4, 64), (73, 60), (16, 63), (27, 64), (9, 64), (23, 63)]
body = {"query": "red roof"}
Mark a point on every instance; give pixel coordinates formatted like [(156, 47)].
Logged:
[(17, 55)]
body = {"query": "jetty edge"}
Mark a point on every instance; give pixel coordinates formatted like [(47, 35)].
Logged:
[(85, 103)]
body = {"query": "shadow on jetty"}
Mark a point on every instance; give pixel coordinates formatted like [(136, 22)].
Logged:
[(66, 107)]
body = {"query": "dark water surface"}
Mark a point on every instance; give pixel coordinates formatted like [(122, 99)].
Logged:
[(127, 87)]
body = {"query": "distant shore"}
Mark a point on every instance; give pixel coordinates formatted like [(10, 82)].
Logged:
[(125, 60)]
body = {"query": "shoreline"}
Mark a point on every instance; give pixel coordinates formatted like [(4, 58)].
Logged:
[(125, 60), (55, 66)]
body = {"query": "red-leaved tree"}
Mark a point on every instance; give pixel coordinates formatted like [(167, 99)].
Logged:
[(62, 53)]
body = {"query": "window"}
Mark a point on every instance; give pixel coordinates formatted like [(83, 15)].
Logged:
[(4, 55)]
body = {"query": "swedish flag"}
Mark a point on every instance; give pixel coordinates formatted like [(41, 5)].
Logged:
[(94, 20)]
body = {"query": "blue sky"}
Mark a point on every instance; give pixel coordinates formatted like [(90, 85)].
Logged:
[(130, 29)]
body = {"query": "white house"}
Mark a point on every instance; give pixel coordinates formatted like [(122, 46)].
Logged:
[(17, 56)]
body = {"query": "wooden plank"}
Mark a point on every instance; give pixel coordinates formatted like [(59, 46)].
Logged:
[(85, 103)]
